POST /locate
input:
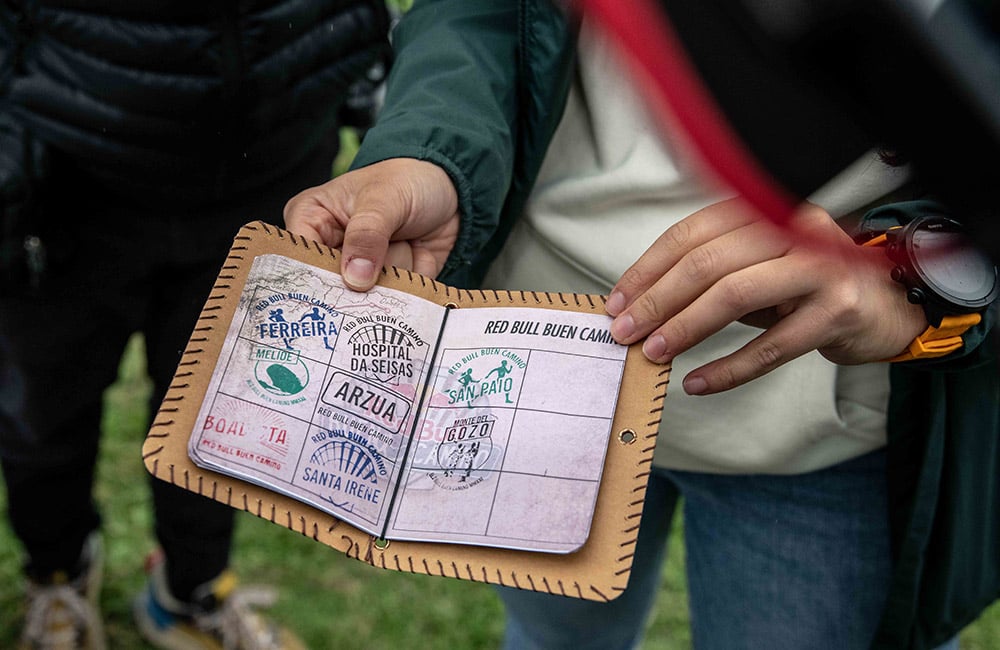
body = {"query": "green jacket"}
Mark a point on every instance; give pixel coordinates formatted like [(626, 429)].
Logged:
[(944, 487), (479, 92), (944, 493), (478, 88)]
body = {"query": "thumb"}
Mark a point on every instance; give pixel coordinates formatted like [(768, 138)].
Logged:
[(376, 217), (396, 199)]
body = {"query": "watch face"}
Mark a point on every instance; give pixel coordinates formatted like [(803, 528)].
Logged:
[(953, 268)]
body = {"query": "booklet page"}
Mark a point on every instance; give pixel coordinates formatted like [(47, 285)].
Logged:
[(510, 447), (315, 389)]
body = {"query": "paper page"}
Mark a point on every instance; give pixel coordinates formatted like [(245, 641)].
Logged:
[(315, 391), (511, 448)]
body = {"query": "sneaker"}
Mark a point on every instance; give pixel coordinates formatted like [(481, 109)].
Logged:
[(62, 612), (222, 616)]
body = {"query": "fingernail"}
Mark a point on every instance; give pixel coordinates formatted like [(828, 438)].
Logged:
[(655, 347), (359, 272), (616, 303), (622, 328), (695, 385)]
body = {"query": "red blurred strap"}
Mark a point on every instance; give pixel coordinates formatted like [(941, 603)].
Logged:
[(643, 32)]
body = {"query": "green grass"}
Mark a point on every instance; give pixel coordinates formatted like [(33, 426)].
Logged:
[(330, 600)]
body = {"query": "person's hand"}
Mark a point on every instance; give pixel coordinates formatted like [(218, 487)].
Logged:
[(810, 287), (399, 212)]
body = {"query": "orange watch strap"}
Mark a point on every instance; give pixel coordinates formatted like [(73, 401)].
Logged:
[(939, 341), (934, 341), (877, 241)]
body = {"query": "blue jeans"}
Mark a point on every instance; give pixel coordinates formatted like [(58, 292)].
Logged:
[(776, 562)]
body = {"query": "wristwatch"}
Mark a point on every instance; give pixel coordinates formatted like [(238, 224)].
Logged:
[(943, 271)]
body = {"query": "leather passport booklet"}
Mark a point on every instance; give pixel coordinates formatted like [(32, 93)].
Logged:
[(492, 436)]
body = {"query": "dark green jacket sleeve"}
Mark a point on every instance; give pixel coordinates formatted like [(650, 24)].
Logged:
[(943, 457), (477, 88), (944, 496), (944, 491)]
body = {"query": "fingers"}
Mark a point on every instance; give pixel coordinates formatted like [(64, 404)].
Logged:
[(399, 254), (774, 347), (696, 273), (812, 289), (401, 200), (395, 200), (426, 261), (749, 290), (365, 247), (839, 312), (673, 245), (844, 306), (307, 216)]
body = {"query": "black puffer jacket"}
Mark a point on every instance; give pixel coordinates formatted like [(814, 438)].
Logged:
[(182, 97)]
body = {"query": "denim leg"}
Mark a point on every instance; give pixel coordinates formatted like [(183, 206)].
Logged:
[(540, 621), (777, 562), (787, 562)]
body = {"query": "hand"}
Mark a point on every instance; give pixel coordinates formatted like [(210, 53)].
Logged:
[(810, 287), (399, 212)]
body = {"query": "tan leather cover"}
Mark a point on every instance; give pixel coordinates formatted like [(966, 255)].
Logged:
[(598, 571)]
